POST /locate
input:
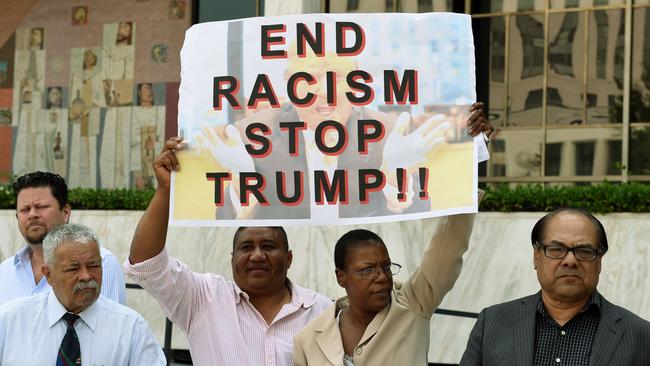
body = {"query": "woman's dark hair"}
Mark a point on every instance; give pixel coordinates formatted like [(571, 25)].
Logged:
[(536, 237), (351, 240)]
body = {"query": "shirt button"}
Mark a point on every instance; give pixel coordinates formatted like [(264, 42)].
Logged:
[(557, 360), (358, 351), (563, 332)]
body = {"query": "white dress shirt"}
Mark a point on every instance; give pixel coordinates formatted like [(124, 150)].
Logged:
[(32, 328), (17, 277)]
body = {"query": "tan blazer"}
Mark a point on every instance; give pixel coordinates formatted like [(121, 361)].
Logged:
[(399, 334)]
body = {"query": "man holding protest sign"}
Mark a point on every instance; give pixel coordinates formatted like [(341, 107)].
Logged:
[(250, 321)]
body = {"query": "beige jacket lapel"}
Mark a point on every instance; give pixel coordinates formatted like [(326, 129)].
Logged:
[(328, 336), (374, 325)]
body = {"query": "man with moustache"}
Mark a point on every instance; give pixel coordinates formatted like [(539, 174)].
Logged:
[(568, 322), (72, 324), (42, 205)]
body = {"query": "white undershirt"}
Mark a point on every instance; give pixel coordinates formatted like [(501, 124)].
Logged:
[(347, 360)]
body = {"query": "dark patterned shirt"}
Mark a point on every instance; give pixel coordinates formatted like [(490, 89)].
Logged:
[(571, 343)]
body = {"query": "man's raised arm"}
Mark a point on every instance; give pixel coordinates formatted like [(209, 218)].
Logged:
[(151, 233)]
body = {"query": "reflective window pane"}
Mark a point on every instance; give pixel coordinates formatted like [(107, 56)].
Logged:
[(583, 151), (640, 151), (605, 66), (614, 156), (423, 6), (516, 153), (565, 68), (526, 66), (361, 6), (553, 158), (640, 85), (566, 4), (497, 70), (507, 6)]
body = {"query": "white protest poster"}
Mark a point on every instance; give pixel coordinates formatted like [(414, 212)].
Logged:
[(325, 119)]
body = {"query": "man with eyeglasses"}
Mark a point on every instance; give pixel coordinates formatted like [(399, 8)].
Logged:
[(568, 322)]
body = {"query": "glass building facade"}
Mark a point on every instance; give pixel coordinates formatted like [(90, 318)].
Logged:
[(566, 83)]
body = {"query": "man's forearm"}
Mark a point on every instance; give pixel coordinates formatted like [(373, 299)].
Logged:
[(151, 233)]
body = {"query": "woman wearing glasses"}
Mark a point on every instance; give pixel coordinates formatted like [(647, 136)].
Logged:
[(381, 322)]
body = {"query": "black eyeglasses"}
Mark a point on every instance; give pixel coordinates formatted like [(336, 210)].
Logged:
[(371, 273), (556, 251)]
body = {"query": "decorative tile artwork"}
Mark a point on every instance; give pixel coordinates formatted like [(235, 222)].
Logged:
[(85, 95)]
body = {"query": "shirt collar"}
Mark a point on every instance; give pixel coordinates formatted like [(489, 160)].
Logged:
[(56, 311), (240, 294), (90, 315), (298, 296), (23, 255), (595, 300)]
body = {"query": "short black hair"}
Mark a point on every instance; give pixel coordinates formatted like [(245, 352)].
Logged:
[(279, 229), (351, 240), (43, 179), (540, 227)]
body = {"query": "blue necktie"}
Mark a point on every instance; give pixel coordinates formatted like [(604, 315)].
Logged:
[(69, 351)]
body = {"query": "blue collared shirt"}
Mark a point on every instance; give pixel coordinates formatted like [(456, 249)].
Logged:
[(17, 277), (32, 328)]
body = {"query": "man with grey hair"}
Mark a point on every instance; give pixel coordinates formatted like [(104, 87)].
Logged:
[(73, 324)]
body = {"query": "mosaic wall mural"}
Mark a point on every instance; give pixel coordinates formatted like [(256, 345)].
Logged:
[(91, 91)]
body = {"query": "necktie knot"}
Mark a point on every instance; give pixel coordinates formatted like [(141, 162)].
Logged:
[(70, 350), (70, 318)]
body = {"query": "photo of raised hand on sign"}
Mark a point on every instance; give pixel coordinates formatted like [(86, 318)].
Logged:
[(405, 152)]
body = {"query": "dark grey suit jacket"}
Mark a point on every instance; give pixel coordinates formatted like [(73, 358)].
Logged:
[(504, 334)]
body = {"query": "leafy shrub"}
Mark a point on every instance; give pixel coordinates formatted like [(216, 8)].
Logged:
[(92, 199), (597, 198), (110, 199)]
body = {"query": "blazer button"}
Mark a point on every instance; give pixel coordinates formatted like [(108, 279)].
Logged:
[(358, 351)]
